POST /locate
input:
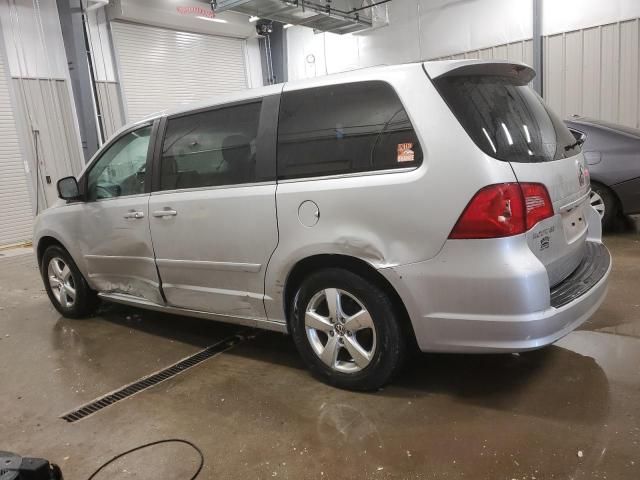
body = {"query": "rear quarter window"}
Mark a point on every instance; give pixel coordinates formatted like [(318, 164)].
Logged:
[(346, 128)]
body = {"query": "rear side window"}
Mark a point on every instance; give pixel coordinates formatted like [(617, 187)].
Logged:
[(355, 127), (211, 148), (506, 118)]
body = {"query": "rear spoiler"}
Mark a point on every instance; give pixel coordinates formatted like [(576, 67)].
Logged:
[(454, 68)]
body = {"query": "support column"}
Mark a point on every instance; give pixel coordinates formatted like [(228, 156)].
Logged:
[(538, 51), (71, 22), (273, 54)]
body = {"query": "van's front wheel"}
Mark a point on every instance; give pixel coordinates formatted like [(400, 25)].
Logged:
[(347, 331), (66, 287)]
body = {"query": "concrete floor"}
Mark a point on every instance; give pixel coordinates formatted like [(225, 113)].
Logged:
[(571, 410)]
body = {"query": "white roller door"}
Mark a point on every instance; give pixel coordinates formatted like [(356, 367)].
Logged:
[(162, 68), (17, 218)]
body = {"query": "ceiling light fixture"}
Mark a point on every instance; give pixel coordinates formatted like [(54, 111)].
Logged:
[(210, 19), (254, 19)]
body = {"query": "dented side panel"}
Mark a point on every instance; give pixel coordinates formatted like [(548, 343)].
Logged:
[(117, 251), (386, 218), (112, 252)]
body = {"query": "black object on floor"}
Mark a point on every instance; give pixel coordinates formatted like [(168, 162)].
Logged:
[(147, 445), (15, 467)]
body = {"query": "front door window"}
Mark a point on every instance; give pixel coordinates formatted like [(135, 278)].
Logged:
[(121, 169)]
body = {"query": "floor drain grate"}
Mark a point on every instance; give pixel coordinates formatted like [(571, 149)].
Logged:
[(153, 379)]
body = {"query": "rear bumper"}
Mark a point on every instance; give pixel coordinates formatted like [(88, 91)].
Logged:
[(514, 308), (593, 267)]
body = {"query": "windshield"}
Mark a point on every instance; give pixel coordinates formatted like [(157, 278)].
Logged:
[(506, 118)]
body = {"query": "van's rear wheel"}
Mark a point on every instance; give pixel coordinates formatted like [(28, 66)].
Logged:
[(66, 287), (347, 331)]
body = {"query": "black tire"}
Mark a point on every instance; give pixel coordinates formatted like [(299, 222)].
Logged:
[(386, 357), (610, 203), (85, 301)]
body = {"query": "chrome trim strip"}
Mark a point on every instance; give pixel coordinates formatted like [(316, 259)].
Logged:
[(204, 265)]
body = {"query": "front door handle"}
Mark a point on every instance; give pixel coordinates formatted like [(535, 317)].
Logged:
[(134, 214), (166, 212)]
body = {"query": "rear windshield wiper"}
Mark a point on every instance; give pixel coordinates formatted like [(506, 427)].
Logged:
[(577, 143)]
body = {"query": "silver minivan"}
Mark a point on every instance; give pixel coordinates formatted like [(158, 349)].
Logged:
[(437, 204)]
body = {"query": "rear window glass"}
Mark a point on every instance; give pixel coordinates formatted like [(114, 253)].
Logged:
[(506, 118), (354, 127)]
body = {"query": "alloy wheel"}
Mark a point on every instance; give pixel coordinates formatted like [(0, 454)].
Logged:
[(62, 282), (597, 202), (340, 330)]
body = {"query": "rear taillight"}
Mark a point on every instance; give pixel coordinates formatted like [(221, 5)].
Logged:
[(503, 210), (538, 203)]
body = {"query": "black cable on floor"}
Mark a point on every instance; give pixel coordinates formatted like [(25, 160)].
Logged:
[(151, 444)]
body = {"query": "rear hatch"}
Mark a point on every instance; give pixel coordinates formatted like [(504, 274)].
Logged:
[(509, 122)]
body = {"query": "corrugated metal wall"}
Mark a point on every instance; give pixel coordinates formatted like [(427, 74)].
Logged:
[(516, 51), (592, 72), (37, 76), (47, 104), (17, 217), (162, 68), (109, 103)]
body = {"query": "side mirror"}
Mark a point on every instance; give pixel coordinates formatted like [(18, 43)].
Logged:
[(68, 188)]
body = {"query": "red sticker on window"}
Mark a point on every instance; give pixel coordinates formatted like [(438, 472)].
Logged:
[(405, 152)]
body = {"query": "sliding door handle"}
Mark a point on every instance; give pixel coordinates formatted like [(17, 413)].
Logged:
[(134, 214), (166, 212)]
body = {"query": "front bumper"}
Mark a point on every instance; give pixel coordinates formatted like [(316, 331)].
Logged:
[(482, 303)]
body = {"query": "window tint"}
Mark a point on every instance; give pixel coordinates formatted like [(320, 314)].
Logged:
[(344, 128), (122, 167), (210, 148), (506, 118)]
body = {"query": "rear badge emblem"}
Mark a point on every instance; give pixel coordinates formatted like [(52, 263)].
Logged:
[(545, 242)]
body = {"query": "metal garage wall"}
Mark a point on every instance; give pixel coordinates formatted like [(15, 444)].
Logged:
[(516, 51), (592, 72), (46, 103), (15, 204), (44, 115), (109, 101), (161, 68)]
